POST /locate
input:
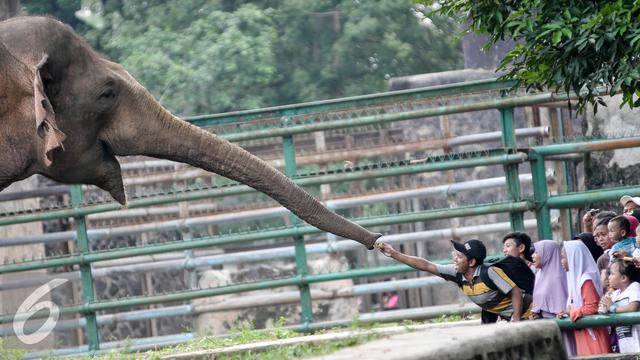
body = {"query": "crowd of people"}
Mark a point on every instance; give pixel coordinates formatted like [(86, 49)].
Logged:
[(596, 272)]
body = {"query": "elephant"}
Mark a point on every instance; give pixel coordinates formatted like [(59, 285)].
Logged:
[(66, 112)]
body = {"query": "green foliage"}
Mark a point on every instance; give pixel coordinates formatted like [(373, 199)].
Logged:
[(575, 46), (64, 10), (447, 318), (300, 351), (8, 352), (245, 334), (204, 56)]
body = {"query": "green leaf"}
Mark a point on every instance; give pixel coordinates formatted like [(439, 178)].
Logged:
[(557, 36)]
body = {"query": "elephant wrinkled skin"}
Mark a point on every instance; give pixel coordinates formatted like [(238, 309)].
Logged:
[(66, 112)]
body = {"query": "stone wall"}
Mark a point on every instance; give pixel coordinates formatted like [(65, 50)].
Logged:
[(220, 322), (616, 167)]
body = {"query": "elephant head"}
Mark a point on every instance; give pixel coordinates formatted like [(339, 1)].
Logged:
[(73, 111)]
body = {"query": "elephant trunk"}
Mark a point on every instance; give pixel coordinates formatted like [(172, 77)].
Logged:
[(169, 137)]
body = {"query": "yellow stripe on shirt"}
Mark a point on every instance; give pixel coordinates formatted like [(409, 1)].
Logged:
[(504, 276)]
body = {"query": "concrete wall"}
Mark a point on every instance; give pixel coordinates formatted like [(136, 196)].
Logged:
[(618, 167), (529, 340)]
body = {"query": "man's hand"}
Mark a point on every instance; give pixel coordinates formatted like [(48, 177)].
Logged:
[(587, 219), (413, 261), (385, 249)]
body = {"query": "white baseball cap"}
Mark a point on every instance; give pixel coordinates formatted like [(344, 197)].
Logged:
[(625, 199)]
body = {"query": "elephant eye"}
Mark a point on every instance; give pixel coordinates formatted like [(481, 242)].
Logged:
[(108, 94)]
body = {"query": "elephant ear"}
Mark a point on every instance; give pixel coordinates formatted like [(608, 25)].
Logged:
[(46, 126)]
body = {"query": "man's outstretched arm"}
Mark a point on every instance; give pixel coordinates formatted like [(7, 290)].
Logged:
[(413, 261)]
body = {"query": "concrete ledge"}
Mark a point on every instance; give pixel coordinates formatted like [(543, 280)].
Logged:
[(634, 356), (333, 336), (528, 340)]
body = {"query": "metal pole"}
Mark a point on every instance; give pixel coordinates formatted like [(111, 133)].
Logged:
[(216, 291), (540, 196), (95, 256), (456, 161), (349, 102), (587, 146), (563, 172), (469, 106), (86, 280), (594, 196), (509, 144), (264, 254), (183, 224), (298, 240)]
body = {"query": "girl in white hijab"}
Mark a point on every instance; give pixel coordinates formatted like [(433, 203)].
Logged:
[(585, 290)]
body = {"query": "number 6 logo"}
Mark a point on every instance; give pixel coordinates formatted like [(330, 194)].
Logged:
[(29, 305)]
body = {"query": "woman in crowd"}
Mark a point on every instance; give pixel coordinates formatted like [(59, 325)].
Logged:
[(584, 293), (550, 291)]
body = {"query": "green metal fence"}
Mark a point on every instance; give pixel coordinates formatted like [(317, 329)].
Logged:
[(334, 114)]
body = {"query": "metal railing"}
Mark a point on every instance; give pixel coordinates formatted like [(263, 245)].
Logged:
[(509, 156)]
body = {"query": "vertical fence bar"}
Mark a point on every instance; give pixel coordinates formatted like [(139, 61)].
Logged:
[(86, 280), (298, 241), (540, 196), (511, 170), (565, 214)]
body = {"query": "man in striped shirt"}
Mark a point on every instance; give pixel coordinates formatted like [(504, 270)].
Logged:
[(504, 298)]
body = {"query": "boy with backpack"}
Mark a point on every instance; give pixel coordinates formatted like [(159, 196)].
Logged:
[(488, 286)]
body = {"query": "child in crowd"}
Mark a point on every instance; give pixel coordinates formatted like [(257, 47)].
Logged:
[(518, 244), (584, 293), (624, 245), (550, 290), (625, 298)]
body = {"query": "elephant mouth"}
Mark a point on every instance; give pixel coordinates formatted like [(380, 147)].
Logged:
[(106, 148)]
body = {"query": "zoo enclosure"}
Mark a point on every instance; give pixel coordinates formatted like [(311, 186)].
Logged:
[(288, 121)]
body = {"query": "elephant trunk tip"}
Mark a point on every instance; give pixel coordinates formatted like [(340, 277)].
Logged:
[(371, 240), (122, 199)]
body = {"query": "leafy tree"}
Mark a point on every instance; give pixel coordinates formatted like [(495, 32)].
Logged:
[(203, 56), (570, 45), (64, 10)]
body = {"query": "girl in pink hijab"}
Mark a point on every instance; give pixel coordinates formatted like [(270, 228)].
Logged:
[(550, 291)]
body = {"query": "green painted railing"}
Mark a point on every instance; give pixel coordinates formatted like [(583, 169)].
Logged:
[(350, 102), (509, 156)]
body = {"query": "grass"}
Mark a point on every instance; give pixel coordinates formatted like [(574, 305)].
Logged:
[(246, 333), (7, 352)]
